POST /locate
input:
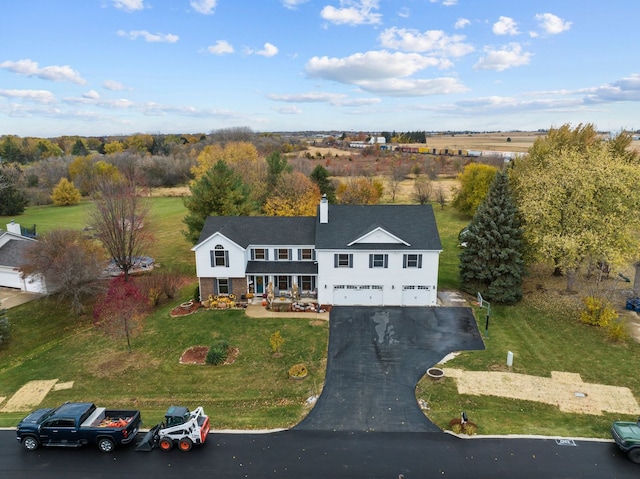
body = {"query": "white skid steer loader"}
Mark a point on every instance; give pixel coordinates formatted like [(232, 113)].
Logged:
[(181, 428)]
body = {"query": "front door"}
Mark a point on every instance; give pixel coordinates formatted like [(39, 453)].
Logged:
[(260, 285)]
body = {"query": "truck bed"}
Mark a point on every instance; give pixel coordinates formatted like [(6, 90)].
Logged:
[(101, 417)]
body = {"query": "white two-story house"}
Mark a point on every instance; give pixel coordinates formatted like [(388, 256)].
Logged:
[(378, 255)]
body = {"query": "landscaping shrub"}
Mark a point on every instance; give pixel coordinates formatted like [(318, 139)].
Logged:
[(616, 332), (196, 294), (216, 355), (597, 312), (298, 371)]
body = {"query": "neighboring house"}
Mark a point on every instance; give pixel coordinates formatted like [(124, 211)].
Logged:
[(347, 255), (12, 244)]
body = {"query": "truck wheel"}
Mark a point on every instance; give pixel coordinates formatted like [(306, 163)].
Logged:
[(634, 455), (106, 444), (166, 443), (30, 443), (185, 444)]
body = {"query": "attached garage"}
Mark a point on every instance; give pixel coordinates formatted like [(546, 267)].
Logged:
[(366, 295), (10, 278), (416, 295)]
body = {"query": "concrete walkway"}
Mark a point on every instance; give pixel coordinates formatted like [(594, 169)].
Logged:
[(10, 297), (256, 310)]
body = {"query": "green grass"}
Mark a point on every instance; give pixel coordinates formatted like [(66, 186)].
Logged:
[(254, 392)]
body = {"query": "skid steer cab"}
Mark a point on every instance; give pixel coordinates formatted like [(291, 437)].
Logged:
[(180, 428)]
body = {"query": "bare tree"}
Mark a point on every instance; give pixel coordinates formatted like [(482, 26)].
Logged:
[(441, 197), (118, 219), (398, 172), (422, 189), (70, 264)]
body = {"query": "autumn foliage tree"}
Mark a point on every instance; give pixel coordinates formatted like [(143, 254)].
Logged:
[(360, 191), (70, 264), (294, 195), (577, 196), (474, 185), (120, 311), (65, 193)]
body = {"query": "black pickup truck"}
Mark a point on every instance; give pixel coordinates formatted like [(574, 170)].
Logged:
[(75, 424)]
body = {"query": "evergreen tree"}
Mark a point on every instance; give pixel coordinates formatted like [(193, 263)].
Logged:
[(79, 148), (12, 200), (320, 176), (492, 261), (219, 192)]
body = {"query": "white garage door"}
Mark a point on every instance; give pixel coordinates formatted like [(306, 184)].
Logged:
[(416, 295), (10, 279), (348, 295)]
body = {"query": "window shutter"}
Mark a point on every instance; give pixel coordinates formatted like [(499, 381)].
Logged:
[(226, 259), (386, 260), (419, 261), (213, 259), (266, 254), (253, 254), (335, 260), (299, 254), (215, 286), (313, 254), (290, 255), (404, 260), (350, 261), (370, 261)]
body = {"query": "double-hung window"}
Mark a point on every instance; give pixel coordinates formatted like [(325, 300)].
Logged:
[(343, 260), (377, 260), (220, 257), (283, 254), (412, 261)]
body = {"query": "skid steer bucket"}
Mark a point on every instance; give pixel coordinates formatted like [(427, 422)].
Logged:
[(150, 440)]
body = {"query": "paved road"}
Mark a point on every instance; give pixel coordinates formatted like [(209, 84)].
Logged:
[(325, 454)]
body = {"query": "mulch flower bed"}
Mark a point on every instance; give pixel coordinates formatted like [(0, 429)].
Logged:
[(182, 311), (198, 355)]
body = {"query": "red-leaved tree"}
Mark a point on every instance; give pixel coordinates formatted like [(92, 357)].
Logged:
[(119, 312)]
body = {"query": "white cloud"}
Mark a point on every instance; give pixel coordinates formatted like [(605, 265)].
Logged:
[(552, 24), (268, 50), (508, 56), (220, 48), (56, 73), (625, 89), (446, 3), (205, 7), (461, 23), (404, 12), (373, 65), (352, 12), (293, 4), (414, 87), (113, 85), (91, 94), (149, 37), (128, 5), (37, 96), (289, 110), (505, 26), (433, 41), (336, 99)]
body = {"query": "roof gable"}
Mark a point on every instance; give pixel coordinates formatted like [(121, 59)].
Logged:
[(378, 235)]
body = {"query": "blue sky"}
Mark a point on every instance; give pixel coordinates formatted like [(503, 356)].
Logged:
[(104, 67)]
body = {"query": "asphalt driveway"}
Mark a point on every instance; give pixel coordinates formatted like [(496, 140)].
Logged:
[(377, 356)]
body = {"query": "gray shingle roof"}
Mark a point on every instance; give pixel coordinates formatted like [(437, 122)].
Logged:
[(414, 224), (11, 252), (262, 230)]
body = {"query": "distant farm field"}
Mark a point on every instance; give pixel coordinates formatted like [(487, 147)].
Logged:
[(501, 141)]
